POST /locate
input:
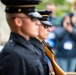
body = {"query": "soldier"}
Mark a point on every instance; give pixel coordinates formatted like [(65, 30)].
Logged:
[(18, 56), (44, 29)]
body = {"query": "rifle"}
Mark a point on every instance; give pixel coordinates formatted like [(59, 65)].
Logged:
[(49, 53)]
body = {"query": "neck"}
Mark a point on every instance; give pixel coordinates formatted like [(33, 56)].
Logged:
[(20, 32), (25, 36), (39, 39)]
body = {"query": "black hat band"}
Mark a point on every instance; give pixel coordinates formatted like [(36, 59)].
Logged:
[(44, 18), (19, 9)]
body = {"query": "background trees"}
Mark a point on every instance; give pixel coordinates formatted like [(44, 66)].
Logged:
[(63, 6)]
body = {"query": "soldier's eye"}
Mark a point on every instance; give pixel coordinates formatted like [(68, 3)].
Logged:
[(46, 26), (34, 19)]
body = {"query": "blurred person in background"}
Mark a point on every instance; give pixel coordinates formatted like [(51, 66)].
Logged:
[(55, 20), (72, 14), (73, 18), (73, 6), (65, 37)]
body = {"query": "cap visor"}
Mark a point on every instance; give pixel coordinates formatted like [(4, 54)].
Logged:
[(46, 23), (35, 14)]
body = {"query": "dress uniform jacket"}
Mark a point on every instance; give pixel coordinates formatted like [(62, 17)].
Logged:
[(18, 58), (40, 52)]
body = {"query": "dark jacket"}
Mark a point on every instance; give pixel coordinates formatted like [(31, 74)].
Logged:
[(63, 37), (40, 52), (18, 58)]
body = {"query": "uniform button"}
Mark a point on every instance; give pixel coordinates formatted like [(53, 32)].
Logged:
[(11, 41)]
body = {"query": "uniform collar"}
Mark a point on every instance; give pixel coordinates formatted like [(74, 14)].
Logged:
[(37, 43), (20, 40)]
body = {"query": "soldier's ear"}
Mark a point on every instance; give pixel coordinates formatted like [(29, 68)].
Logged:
[(18, 21)]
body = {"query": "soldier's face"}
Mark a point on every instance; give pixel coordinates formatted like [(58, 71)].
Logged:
[(30, 26), (43, 31)]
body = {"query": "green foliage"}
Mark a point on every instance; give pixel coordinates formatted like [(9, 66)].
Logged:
[(59, 13), (42, 5), (58, 2), (62, 6)]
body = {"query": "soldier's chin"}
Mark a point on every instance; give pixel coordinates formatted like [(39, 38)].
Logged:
[(44, 38), (35, 34)]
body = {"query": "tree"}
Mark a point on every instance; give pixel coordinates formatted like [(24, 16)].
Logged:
[(62, 6)]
